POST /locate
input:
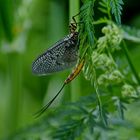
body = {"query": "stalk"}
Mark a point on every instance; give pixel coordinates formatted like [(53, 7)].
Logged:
[(126, 52), (75, 85), (15, 88)]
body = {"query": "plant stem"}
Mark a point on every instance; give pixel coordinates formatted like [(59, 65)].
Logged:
[(14, 104), (75, 90), (73, 8), (98, 98), (126, 52)]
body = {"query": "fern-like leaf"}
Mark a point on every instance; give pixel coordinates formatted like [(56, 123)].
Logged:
[(105, 7), (119, 106), (116, 8)]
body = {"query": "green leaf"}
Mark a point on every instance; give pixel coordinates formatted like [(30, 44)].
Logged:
[(120, 106), (6, 17), (131, 33), (116, 8)]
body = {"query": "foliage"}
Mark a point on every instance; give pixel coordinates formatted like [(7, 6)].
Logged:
[(115, 83), (116, 7), (102, 69)]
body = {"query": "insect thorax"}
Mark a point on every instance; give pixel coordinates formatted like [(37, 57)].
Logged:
[(72, 37)]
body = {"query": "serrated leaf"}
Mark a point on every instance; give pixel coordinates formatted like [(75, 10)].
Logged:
[(116, 8), (102, 10)]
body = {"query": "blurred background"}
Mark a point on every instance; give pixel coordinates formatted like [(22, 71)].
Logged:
[(28, 28)]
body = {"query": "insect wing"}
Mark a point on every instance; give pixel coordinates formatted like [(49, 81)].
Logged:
[(60, 56)]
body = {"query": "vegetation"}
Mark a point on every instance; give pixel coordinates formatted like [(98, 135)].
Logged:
[(101, 103)]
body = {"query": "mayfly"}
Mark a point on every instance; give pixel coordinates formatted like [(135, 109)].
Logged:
[(62, 55)]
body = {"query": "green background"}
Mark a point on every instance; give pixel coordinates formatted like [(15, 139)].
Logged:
[(28, 28)]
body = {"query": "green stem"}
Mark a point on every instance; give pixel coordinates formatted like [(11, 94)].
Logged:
[(73, 8), (14, 104), (75, 85), (98, 97), (126, 52), (108, 10)]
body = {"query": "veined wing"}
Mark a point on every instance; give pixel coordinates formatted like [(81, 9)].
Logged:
[(62, 55)]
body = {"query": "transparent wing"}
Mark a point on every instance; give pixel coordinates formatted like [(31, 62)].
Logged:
[(60, 56)]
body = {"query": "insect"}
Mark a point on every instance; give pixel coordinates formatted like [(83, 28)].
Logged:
[(62, 55)]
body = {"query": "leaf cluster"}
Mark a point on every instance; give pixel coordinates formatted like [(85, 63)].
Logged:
[(76, 120)]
